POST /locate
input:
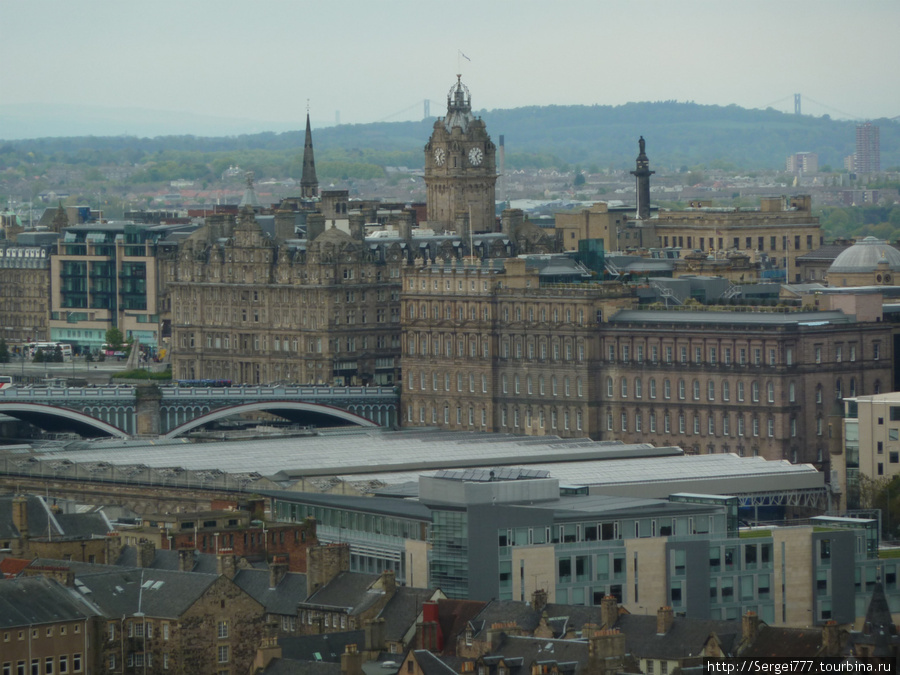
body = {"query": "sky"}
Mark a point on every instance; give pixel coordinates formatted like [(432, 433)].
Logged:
[(263, 61)]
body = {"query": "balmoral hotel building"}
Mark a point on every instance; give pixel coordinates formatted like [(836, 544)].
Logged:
[(497, 350)]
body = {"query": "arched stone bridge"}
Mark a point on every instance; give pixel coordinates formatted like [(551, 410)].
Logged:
[(128, 410)]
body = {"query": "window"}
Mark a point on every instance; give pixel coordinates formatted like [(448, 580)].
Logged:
[(695, 387), (770, 391), (839, 353), (76, 663), (624, 388), (740, 392), (667, 389), (652, 388), (754, 392), (726, 391), (624, 421), (681, 389), (609, 387), (223, 630), (223, 653), (711, 390)]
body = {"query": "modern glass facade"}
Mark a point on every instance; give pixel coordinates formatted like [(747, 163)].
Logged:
[(450, 552)]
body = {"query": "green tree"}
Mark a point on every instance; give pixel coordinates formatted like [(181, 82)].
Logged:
[(114, 339), (579, 179)]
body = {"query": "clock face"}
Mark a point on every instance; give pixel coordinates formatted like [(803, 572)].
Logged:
[(475, 156), (439, 157)]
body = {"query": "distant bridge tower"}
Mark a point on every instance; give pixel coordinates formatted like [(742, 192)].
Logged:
[(797, 104), (427, 108)]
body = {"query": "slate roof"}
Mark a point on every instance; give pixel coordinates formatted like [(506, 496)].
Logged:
[(775, 641), (61, 525), (432, 664), (684, 639), (454, 616), (561, 618), (282, 599), (293, 667), (544, 650), (166, 559), (156, 593), (325, 647), (402, 610), (38, 600), (828, 252), (349, 591)]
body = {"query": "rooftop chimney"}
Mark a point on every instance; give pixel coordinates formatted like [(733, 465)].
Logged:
[(664, 619), (351, 661), (539, 599), (20, 515), (609, 611), (146, 552), (277, 569), (750, 627)]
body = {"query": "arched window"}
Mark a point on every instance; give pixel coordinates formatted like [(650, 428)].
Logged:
[(770, 391), (792, 393)]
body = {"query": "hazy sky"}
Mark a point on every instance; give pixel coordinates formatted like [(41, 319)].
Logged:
[(378, 60)]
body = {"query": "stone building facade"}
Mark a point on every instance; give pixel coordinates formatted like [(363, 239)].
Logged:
[(489, 349), (783, 229), (24, 293), (252, 309), (760, 384), (460, 169)]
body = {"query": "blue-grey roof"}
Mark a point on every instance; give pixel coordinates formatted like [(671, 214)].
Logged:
[(663, 317), (350, 591), (327, 647), (156, 593), (43, 523), (283, 599), (32, 601)]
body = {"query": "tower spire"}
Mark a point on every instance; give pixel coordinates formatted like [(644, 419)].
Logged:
[(309, 184)]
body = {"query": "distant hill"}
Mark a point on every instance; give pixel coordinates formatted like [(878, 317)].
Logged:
[(677, 134)]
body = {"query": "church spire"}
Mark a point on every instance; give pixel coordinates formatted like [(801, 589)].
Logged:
[(309, 184)]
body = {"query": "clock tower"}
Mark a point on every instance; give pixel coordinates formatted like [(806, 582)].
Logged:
[(460, 168)]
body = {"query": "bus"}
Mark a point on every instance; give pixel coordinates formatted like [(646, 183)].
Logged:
[(49, 348), (5, 382)]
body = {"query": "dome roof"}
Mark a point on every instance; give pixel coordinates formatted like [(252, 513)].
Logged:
[(864, 256)]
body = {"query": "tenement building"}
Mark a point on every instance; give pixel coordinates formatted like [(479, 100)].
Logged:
[(500, 350), (24, 293)]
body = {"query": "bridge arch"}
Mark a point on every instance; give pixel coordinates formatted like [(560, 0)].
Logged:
[(43, 416), (311, 411)]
